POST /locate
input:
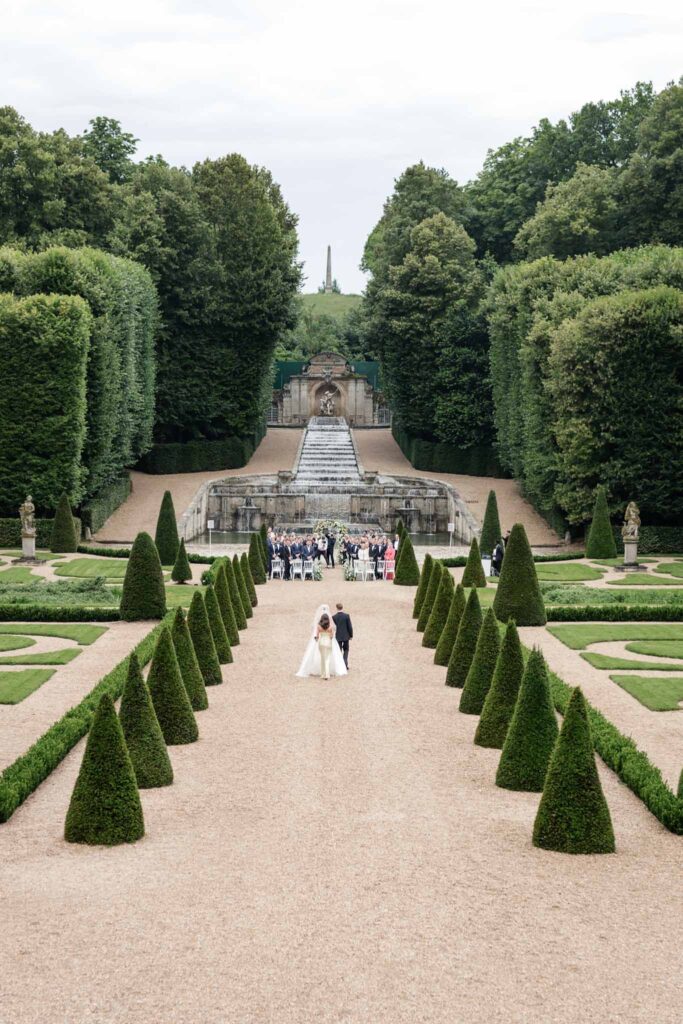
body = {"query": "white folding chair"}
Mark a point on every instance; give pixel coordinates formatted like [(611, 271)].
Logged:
[(389, 568), (308, 569), (359, 569), (380, 568), (277, 569), (297, 568), (370, 570)]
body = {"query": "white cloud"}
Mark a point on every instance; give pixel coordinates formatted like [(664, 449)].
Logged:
[(335, 98)]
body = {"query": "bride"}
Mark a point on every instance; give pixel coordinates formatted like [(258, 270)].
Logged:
[(322, 650)]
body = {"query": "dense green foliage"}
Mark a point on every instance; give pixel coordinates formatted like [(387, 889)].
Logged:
[(473, 575), (105, 807), (532, 731), (502, 696), (573, 816), (169, 696), (64, 537), (166, 534), (465, 643), (430, 595), (439, 612), (187, 662), (201, 455), (423, 585), (600, 541), (491, 532), (258, 572), (220, 637), (222, 589), (478, 681), (235, 594), (449, 633), (407, 573), (248, 579), (97, 509), (518, 595), (44, 355), (143, 594), (202, 641), (142, 732), (181, 572)]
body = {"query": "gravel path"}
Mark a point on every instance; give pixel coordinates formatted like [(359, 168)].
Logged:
[(336, 852)]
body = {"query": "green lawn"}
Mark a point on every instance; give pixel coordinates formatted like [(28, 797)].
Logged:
[(82, 633), (13, 643), (16, 552), (333, 305), (662, 649), (657, 694), (644, 579), (578, 594), (580, 634), (16, 686), (17, 574), (605, 661), (48, 658), (617, 561), (672, 568), (180, 595), (87, 568), (569, 572)]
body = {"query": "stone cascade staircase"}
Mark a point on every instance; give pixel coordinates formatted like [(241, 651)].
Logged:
[(328, 455)]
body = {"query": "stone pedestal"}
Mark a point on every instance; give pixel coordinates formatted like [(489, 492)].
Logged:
[(630, 553), (28, 547)]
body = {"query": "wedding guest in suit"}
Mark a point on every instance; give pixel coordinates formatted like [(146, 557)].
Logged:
[(330, 538), (344, 632)]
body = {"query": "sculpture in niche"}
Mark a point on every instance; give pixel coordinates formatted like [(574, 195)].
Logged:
[(327, 404)]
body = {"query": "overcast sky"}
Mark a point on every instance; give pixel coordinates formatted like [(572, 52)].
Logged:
[(335, 98)]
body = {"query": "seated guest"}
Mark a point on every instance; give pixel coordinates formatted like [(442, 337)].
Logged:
[(389, 560)]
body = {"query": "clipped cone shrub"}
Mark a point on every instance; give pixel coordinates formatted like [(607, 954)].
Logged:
[(220, 637), (235, 598), (142, 732), (181, 572), (532, 732), (502, 696), (258, 570), (187, 662), (439, 612), (600, 542), (449, 632), (573, 816), (262, 537), (166, 536), (490, 530), (169, 695), (242, 587), (483, 666), (225, 605), (473, 575), (248, 579), (144, 596), (407, 573), (202, 641), (430, 596), (466, 642), (64, 537), (423, 585), (518, 595), (105, 807)]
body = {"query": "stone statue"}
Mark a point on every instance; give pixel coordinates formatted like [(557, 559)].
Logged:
[(327, 404), (28, 518), (629, 530)]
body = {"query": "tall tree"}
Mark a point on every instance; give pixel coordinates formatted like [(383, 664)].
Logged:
[(110, 147)]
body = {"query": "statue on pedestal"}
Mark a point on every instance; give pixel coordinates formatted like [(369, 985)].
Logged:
[(630, 529), (27, 514)]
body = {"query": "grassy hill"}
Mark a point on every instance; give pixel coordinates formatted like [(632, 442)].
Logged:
[(333, 305)]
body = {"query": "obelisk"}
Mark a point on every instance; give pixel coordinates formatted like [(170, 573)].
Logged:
[(328, 276)]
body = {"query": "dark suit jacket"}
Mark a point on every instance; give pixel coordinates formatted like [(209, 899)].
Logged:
[(344, 628)]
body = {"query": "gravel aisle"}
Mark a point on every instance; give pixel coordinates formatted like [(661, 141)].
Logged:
[(336, 852)]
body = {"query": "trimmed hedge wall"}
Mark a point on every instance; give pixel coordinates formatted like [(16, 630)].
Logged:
[(97, 509), (105, 552), (615, 613), (52, 613), (23, 776), (655, 540), (10, 532), (479, 460), (200, 455)]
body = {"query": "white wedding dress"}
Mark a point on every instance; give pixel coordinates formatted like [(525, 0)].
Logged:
[(311, 664)]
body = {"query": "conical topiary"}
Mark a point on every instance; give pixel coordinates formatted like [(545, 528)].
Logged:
[(407, 573), (187, 662), (220, 637), (422, 585), (490, 530), (248, 579), (532, 732), (144, 596), (181, 571), (105, 807), (225, 604), (483, 665), (518, 595), (166, 536), (262, 537), (502, 696), (242, 587), (430, 596), (258, 572), (235, 598), (169, 695), (680, 786), (573, 816), (202, 641), (473, 575), (64, 537), (444, 648), (142, 732), (466, 642), (600, 542), (439, 612)]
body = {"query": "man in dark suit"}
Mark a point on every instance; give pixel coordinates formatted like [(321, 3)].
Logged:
[(344, 631), (329, 556)]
